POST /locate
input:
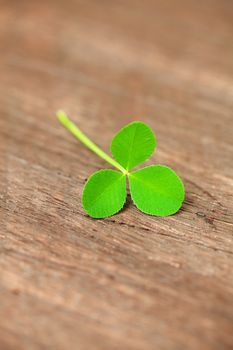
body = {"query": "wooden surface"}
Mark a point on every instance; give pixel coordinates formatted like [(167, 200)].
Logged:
[(131, 281)]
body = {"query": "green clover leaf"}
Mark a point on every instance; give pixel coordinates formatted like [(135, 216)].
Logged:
[(155, 190), (133, 144), (105, 193)]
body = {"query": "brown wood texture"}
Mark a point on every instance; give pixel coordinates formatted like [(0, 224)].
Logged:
[(131, 281)]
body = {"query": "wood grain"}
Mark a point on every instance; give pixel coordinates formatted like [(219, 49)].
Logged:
[(131, 281)]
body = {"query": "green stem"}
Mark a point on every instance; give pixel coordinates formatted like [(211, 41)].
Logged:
[(68, 124)]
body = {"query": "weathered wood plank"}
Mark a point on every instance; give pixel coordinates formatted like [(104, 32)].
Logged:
[(130, 281)]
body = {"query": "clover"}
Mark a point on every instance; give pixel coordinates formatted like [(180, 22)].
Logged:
[(155, 189)]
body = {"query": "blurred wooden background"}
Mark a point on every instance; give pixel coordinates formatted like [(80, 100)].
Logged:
[(130, 281)]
